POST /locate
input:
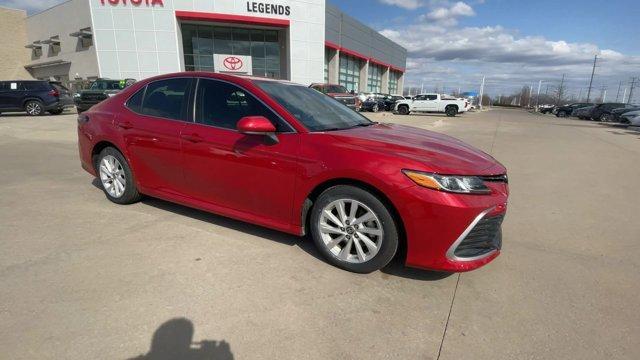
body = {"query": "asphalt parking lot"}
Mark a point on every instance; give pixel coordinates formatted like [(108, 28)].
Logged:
[(82, 278)]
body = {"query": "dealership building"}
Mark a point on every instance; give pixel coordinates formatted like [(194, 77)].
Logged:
[(305, 41)]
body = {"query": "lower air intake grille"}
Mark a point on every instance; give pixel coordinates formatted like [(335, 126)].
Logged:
[(485, 237)]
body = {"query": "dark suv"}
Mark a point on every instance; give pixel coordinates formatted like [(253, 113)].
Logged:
[(566, 110), (100, 90), (602, 112), (34, 96)]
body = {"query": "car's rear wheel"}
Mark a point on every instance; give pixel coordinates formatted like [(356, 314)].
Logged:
[(403, 110), (34, 108), (116, 177), (561, 114), (375, 108), (451, 111), (353, 229)]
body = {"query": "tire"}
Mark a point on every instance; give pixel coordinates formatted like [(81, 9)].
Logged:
[(34, 108), (375, 108), (350, 251), (403, 110), (56, 112), (119, 176), (605, 118), (561, 114), (451, 111)]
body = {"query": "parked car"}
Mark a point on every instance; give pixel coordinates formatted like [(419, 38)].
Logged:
[(634, 121), (431, 103), (567, 110), (99, 90), (602, 112), (284, 156), (583, 112), (391, 100), (339, 93), (546, 108), (35, 97), (630, 117), (373, 102), (617, 113)]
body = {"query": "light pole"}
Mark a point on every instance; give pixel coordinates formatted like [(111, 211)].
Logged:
[(538, 96)]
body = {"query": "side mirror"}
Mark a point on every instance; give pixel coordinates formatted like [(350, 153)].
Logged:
[(257, 125)]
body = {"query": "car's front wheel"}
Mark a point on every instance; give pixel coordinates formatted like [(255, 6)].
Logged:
[(353, 229), (561, 114), (375, 108), (606, 117), (116, 177)]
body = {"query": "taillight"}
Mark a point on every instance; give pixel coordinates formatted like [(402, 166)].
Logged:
[(83, 119), (54, 92)]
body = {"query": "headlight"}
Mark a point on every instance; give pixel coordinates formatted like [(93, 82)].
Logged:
[(111, 94), (449, 183), (76, 96)]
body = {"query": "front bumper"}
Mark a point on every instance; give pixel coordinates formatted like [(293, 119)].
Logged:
[(452, 232)]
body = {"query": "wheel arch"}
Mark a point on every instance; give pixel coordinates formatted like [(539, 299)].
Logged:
[(313, 195), (453, 106), (99, 146), (31, 98)]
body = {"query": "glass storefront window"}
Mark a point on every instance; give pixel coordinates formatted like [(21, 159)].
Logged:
[(394, 76), (374, 82), (349, 74), (200, 42)]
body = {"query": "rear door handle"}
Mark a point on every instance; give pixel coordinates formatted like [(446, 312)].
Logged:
[(125, 125), (194, 138)]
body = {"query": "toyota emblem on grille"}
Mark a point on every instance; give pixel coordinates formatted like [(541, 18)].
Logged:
[(232, 63)]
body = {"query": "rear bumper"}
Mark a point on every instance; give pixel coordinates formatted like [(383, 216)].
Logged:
[(446, 232)]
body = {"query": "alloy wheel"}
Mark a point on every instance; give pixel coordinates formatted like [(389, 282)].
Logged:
[(350, 230), (34, 108), (112, 176)]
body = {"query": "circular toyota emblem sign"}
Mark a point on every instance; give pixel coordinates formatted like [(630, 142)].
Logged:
[(232, 63)]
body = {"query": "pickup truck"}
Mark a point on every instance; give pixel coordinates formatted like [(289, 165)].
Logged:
[(432, 103), (340, 93)]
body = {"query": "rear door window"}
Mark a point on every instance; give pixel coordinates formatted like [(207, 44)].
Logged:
[(167, 99), (135, 102)]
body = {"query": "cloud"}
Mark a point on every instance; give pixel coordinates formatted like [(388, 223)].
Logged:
[(507, 59), (32, 6), (405, 4), (456, 10)]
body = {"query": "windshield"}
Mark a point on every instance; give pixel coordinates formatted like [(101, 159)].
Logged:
[(318, 112), (106, 85), (335, 89)]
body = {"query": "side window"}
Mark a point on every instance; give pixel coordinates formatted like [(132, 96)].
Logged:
[(432, 97), (135, 102), (221, 104), (167, 99)]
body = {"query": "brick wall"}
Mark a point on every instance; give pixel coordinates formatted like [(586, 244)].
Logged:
[(13, 38)]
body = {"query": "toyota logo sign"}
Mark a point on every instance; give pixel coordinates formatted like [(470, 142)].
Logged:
[(232, 63)]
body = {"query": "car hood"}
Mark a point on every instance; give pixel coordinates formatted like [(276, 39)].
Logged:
[(437, 152)]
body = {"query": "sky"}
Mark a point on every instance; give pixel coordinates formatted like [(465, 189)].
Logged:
[(453, 44)]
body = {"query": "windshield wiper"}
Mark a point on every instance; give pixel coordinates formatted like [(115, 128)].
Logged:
[(364, 124)]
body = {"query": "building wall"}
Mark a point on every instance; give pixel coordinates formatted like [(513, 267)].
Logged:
[(14, 55), (349, 33), (145, 40), (62, 20)]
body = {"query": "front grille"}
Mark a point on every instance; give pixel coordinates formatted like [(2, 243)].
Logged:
[(496, 178), (93, 97), (485, 237), (347, 100)]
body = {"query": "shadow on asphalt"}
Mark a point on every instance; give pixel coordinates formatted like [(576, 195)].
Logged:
[(395, 268), (174, 340)]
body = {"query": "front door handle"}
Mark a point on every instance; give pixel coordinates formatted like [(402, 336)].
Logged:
[(125, 125), (194, 138)]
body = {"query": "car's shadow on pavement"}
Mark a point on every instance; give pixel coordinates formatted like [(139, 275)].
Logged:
[(174, 340), (305, 243)]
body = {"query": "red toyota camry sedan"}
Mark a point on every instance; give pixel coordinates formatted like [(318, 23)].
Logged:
[(288, 157)]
